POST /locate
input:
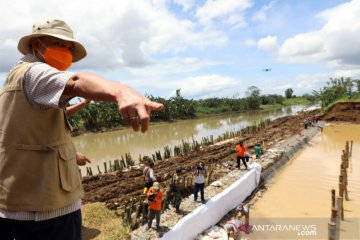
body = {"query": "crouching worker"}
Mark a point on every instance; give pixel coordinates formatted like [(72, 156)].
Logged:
[(232, 229), (243, 211), (155, 198)]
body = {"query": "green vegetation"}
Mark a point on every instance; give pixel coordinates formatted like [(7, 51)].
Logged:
[(99, 116), (296, 100), (338, 89)]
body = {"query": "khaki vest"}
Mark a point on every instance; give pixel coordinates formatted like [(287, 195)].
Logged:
[(38, 170)]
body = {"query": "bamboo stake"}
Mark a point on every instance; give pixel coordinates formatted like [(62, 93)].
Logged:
[(338, 217), (89, 171), (105, 167), (332, 231), (111, 167), (333, 215), (340, 207), (347, 148), (340, 186), (333, 198)]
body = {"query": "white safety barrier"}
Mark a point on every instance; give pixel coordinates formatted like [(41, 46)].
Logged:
[(210, 213)]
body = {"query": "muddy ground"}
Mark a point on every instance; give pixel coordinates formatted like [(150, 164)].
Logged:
[(117, 188)]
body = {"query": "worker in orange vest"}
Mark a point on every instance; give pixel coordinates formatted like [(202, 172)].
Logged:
[(155, 197), (240, 150)]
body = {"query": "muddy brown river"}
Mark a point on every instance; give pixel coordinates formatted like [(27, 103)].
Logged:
[(108, 146), (299, 195)]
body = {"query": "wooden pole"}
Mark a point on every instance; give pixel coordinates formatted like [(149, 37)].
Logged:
[(116, 165), (333, 198), (105, 167), (344, 183), (351, 144), (344, 162), (341, 189), (111, 167), (332, 231), (340, 207), (338, 217), (333, 215)]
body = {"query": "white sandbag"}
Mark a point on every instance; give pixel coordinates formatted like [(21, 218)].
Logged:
[(210, 213)]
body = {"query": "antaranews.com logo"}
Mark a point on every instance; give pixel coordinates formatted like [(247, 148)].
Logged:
[(297, 228)]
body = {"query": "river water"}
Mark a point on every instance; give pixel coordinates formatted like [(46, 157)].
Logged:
[(100, 147), (300, 192)]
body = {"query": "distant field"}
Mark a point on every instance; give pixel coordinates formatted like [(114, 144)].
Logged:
[(293, 101)]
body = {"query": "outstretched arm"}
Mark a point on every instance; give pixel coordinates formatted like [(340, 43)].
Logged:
[(73, 109), (133, 107)]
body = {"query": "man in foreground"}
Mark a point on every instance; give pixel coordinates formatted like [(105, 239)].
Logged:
[(40, 186)]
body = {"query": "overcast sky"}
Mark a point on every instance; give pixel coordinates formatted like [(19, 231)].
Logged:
[(211, 48)]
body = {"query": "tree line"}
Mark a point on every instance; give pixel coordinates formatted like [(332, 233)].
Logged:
[(337, 88), (102, 115)]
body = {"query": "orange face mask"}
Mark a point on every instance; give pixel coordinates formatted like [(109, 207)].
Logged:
[(58, 57)]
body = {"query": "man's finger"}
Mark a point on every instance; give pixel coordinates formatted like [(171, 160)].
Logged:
[(144, 115), (154, 105), (135, 124), (125, 115)]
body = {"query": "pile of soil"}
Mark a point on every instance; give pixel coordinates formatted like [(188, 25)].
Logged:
[(344, 112), (117, 188)]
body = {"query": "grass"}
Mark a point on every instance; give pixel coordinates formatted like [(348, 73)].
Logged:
[(286, 102), (294, 101), (102, 224), (204, 111), (201, 111), (271, 106)]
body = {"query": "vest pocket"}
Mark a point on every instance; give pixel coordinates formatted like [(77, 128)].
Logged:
[(68, 168)]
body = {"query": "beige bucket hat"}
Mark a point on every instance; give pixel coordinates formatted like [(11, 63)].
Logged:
[(55, 28)]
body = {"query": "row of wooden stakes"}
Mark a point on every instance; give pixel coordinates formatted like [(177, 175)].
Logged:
[(337, 203)]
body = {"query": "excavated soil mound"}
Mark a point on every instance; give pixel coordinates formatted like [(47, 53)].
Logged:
[(344, 112)]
